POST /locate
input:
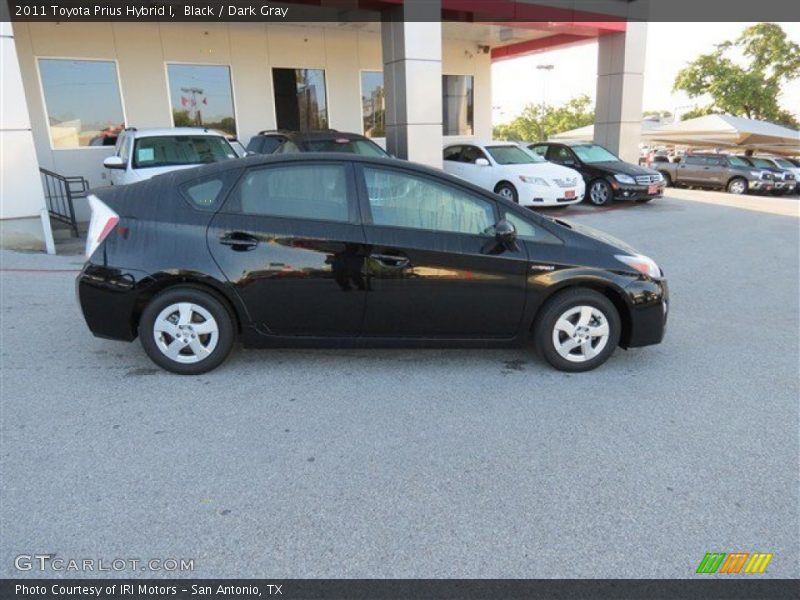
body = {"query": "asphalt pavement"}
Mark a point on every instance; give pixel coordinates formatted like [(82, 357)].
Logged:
[(423, 463)]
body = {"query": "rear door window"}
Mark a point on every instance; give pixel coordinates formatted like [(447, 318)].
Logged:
[(696, 161), (452, 153), (317, 191)]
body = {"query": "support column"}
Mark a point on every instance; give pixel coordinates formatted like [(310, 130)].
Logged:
[(24, 222), (412, 74), (620, 85)]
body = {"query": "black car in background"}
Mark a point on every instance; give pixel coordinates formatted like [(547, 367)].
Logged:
[(326, 140), (345, 250), (607, 177)]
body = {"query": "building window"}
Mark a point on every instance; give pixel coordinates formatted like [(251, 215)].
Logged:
[(201, 96), (300, 100), (82, 101), (457, 103), (373, 104)]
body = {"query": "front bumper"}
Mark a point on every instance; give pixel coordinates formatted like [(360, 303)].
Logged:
[(624, 191), (761, 185), (649, 309), (532, 196)]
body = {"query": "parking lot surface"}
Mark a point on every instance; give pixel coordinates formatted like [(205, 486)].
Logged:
[(425, 463)]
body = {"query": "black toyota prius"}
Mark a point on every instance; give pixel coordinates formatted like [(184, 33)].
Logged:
[(345, 250)]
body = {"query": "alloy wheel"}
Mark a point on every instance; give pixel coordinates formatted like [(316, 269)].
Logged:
[(737, 187), (599, 193), (185, 332), (581, 333)]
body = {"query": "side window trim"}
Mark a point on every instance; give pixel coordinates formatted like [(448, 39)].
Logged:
[(365, 208), (354, 211)]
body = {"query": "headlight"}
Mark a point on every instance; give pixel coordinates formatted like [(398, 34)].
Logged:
[(640, 262), (659, 177), (622, 178), (755, 173), (534, 180)]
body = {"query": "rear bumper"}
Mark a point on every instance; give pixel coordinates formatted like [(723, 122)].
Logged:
[(649, 310), (109, 300)]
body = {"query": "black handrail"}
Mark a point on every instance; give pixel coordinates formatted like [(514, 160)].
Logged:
[(60, 192)]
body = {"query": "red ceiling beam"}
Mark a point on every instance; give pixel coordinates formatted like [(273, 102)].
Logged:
[(538, 45)]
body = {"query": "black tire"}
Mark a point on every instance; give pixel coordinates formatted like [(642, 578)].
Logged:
[(600, 193), (667, 179), (201, 301), (562, 303), (737, 185), (507, 190)]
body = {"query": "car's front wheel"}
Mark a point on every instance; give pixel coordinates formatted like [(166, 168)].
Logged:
[(577, 330), (506, 190), (737, 185), (186, 330), (600, 193)]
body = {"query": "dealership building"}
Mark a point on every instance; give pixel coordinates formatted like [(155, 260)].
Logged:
[(412, 85)]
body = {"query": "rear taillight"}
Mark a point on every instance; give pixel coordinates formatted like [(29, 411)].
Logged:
[(101, 224)]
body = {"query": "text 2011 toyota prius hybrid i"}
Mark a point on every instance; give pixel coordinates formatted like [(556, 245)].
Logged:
[(343, 250)]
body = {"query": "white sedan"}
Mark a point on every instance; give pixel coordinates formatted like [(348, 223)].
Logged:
[(514, 173)]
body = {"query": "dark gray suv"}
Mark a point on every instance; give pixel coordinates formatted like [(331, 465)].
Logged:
[(720, 171)]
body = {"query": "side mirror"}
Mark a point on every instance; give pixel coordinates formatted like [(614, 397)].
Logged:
[(114, 162), (481, 162), (505, 233)]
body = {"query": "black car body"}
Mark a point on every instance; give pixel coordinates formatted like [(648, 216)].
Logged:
[(343, 250), (607, 177), (326, 140), (717, 171)]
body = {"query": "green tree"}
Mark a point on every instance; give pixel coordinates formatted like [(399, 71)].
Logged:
[(750, 86), (538, 121)]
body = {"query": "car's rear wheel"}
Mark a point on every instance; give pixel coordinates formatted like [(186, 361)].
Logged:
[(506, 190), (737, 185), (186, 330), (667, 179), (577, 330), (600, 193)]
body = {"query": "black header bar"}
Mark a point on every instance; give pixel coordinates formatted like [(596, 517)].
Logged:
[(718, 588), (483, 11)]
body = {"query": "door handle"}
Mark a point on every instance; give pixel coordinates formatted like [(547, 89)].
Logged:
[(239, 241), (392, 261)]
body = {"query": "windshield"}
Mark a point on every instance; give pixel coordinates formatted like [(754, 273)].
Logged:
[(760, 162), (363, 147), (738, 162), (512, 155), (171, 150), (591, 153), (784, 163)]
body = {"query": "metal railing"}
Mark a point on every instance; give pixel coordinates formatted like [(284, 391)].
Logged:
[(60, 192)]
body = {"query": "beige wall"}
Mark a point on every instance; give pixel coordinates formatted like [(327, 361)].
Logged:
[(142, 49)]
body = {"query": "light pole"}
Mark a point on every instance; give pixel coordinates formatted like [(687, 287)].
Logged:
[(546, 68)]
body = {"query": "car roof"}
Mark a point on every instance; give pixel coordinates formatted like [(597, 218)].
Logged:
[(167, 131), (316, 134), (183, 175)]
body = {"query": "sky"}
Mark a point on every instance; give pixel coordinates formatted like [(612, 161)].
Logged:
[(670, 46)]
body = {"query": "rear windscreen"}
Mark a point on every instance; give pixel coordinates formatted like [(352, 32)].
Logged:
[(363, 147), (165, 151)]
